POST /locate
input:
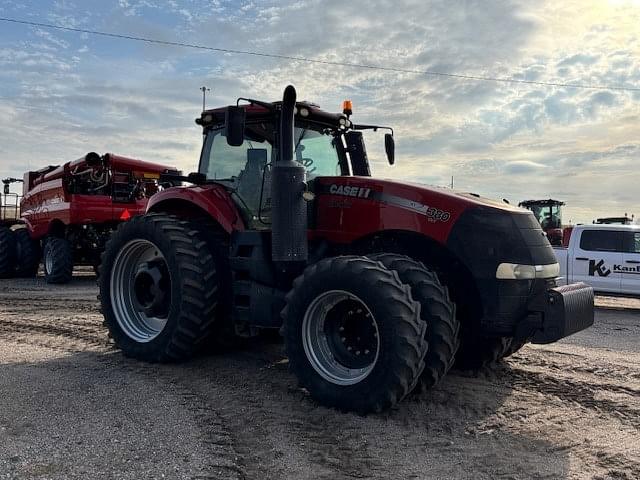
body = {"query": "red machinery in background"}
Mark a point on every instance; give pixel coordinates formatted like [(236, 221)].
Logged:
[(66, 213), (549, 214)]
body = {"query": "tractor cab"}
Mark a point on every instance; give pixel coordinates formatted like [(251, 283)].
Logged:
[(241, 146), (549, 215), (9, 203)]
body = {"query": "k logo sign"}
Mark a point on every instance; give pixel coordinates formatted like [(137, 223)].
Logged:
[(598, 268)]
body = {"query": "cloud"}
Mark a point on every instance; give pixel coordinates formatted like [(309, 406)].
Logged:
[(523, 166), (578, 59), (68, 93)]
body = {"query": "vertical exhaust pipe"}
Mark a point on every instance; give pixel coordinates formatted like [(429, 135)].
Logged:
[(289, 246)]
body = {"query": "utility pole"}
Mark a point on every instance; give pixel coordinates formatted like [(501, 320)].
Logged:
[(451, 181), (204, 91)]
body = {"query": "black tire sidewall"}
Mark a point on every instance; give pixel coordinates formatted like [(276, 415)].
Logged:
[(7, 252), (27, 254), (61, 251), (363, 392), (141, 228)]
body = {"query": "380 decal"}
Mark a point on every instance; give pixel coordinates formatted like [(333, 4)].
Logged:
[(433, 214), (437, 215)]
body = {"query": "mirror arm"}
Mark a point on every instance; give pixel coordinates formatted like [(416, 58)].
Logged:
[(372, 127)]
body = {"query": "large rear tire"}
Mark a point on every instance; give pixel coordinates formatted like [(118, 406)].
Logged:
[(158, 288), (7, 252), (353, 334), (58, 260), (437, 311), (27, 254)]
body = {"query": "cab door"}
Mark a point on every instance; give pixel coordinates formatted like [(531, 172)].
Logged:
[(596, 257), (631, 263)]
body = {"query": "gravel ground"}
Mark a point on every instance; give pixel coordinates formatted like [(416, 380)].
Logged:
[(72, 407)]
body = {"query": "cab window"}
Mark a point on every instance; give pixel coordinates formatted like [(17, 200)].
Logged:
[(601, 241), (317, 153), (632, 242)]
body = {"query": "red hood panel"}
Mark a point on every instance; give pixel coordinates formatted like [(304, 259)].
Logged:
[(349, 208)]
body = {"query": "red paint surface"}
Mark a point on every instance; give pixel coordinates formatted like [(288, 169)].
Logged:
[(343, 219), (48, 201), (212, 199)]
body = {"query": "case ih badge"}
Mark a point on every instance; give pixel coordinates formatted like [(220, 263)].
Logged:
[(347, 191)]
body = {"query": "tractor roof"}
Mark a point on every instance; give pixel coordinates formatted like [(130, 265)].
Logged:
[(257, 110), (545, 203)]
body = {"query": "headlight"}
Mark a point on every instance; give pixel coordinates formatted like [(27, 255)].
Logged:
[(516, 271)]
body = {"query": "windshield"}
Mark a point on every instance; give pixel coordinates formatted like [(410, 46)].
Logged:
[(549, 216), (247, 168), (315, 150)]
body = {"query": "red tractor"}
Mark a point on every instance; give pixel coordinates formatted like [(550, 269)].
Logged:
[(377, 286), (549, 214), (66, 213)]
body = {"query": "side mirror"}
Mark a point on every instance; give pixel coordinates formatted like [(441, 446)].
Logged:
[(6, 189), (234, 121), (390, 148)]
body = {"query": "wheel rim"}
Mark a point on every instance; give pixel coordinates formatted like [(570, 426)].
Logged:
[(340, 337), (141, 290)]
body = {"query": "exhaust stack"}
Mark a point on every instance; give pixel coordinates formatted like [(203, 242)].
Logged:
[(289, 209)]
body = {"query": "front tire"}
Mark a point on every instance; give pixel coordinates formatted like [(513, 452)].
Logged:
[(58, 260), (7, 252), (353, 334), (27, 253), (158, 288), (477, 352)]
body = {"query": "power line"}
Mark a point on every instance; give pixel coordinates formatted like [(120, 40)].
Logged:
[(322, 62)]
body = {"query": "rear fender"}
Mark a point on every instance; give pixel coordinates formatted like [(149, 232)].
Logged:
[(211, 201)]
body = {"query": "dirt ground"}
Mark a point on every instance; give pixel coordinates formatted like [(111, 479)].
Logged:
[(71, 407)]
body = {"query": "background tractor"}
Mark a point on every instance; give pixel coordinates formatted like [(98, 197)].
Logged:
[(549, 214), (66, 213), (377, 286)]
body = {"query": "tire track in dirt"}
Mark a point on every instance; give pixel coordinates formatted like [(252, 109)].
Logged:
[(591, 446), (274, 422), (256, 423), (579, 393), (557, 361), (88, 337)]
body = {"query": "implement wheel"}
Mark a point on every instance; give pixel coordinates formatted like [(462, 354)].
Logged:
[(58, 260), (27, 254), (7, 252), (353, 334)]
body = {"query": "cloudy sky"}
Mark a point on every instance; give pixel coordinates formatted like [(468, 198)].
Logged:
[(63, 94)]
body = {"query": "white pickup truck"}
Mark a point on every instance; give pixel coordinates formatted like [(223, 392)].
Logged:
[(607, 257)]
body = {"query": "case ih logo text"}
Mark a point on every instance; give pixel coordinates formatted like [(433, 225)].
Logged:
[(347, 191)]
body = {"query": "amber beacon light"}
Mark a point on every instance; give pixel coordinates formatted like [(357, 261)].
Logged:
[(347, 107)]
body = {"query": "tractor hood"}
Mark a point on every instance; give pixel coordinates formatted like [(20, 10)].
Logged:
[(364, 204), (480, 231)]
